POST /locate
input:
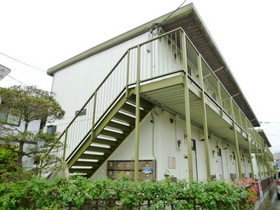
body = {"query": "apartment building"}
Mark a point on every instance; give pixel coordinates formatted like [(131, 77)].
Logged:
[(158, 100)]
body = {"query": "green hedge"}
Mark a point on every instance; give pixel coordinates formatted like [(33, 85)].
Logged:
[(82, 193)]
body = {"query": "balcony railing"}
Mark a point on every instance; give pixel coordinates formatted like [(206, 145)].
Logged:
[(150, 60)]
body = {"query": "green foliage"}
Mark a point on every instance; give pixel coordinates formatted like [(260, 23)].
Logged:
[(79, 192), (252, 190), (8, 160), (28, 103)]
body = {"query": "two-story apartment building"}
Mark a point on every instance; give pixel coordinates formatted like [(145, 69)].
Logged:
[(158, 99)]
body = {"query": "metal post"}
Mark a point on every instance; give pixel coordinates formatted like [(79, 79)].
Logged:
[(93, 116), (219, 99), (127, 73), (250, 158), (236, 140), (250, 150), (204, 116), (187, 108), (137, 117), (65, 145), (257, 161)]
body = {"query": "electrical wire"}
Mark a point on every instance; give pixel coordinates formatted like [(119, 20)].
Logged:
[(16, 80), (172, 13), (34, 67), (264, 127), (273, 135), (158, 25), (26, 64)]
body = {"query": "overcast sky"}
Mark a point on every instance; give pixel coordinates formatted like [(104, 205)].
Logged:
[(44, 33)]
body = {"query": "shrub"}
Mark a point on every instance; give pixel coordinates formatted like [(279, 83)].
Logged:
[(123, 193)]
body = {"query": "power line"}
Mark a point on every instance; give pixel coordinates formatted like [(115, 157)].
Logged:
[(273, 135), (16, 80), (159, 24), (271, 127), (268, 122), (34, 67)]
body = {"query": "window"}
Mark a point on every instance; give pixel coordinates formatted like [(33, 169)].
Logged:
[(10, 119)]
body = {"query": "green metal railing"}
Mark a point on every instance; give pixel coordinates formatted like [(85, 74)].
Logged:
[(159, 56)]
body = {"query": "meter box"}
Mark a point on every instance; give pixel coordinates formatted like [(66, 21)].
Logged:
[(146, 169)]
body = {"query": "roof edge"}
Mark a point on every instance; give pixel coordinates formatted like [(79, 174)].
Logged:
[(116, 40)]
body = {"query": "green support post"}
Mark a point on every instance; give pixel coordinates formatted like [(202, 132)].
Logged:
[(137, 117), (127, 73), (187, 108), (93, 116), (204, 116), (65, 145), (236, 140)]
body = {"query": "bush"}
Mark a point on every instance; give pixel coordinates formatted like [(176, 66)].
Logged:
[(81, 193)]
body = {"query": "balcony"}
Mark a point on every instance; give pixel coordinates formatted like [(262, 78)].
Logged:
[(160, 70)]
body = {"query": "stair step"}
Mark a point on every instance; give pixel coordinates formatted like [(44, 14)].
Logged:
[(92, 157), (129, 108), (99, 149), (79, 170), (86, 163), (122, 127), (120, 123), (144, 104), (112, 134), (123, 117), (106, 142)]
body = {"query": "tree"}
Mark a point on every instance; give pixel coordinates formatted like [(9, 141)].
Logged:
[(8, 160), (26, 104)]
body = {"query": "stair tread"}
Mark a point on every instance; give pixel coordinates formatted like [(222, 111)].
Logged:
[(78, 164)]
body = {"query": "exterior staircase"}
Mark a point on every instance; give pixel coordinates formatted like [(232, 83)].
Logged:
[(107, 134)]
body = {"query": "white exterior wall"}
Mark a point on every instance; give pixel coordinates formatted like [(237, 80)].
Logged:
[(73, 85), (158, 141)]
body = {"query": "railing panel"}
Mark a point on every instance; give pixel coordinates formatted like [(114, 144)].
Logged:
[(79, 127), (210, 81)]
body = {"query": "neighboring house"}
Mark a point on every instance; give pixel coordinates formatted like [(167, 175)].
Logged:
[(18, 124), (160, 99)]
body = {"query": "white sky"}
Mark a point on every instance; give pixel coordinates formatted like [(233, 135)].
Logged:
[(47, 32)]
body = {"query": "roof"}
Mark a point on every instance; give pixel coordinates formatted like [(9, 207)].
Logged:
[(187, 18), (264, 137)]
